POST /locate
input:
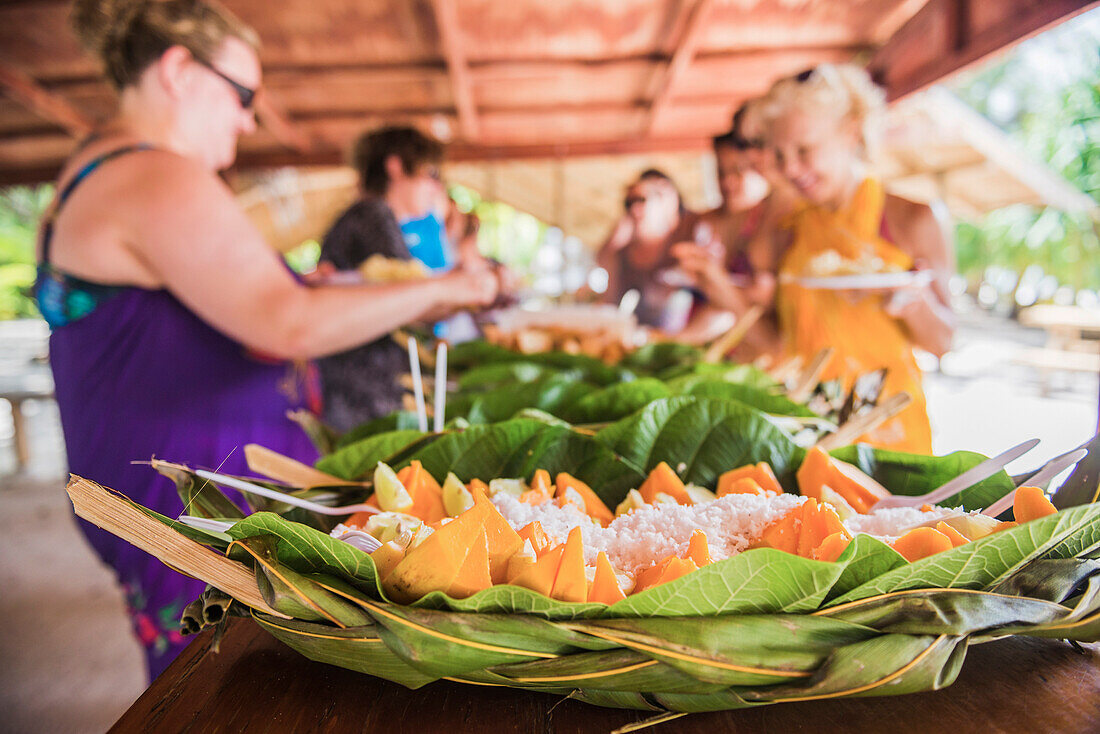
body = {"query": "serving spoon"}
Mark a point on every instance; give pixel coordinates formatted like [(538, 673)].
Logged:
[(1051, 469), (250, 488)]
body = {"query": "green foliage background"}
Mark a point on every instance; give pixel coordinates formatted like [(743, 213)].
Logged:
[(1046, 94)]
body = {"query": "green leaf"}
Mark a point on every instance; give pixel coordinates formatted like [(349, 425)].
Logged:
[(755, 397), (306, 550), (915, 474), (397, 421), (493, 375), (682, 378), (741, 650), (357, 460), (759, 581), (699, 438), (547, 394), (615, 401), (654, 358), (990, 560), (516, 448), (355, 648)]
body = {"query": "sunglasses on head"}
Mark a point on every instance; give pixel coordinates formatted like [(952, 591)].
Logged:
[(245, 95)]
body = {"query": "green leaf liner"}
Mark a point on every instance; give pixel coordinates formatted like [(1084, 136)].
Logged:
[(761, 627), (700, 439)]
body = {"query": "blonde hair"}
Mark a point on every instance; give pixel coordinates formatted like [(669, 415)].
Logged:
[(130, 35), (843, 91)]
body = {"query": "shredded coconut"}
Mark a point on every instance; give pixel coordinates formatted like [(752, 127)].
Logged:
[(892, 522), (643, 537)]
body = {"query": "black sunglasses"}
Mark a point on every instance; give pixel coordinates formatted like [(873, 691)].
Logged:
[(245, 95)]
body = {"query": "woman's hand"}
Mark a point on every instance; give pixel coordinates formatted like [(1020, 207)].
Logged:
[(475, 287)]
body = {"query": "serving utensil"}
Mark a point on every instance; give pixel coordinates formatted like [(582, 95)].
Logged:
[(968, 478), (1048, 471), (272, 494)]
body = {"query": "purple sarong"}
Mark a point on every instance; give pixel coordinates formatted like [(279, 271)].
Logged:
[(142, 376)]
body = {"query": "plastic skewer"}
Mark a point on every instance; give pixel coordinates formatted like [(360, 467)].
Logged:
[(440, 392), (418, 386)]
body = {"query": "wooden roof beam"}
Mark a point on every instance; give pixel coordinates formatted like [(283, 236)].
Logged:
[(272, 117), (22, 88), (917, 55), (446, 18), (681, 59)]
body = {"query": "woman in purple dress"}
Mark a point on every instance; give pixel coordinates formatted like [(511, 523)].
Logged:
[(160, 293)]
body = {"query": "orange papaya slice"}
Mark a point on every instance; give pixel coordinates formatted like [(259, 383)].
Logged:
[(956, 537), (831, 548), (698, 548), (1030, 503), (819, 521), (427, 495), (920, 543), (540, 577), (669, 569), (594, 507), (570, 582), (783, 533), (857, 488), (605, 586), (663, 479), (761, 473)]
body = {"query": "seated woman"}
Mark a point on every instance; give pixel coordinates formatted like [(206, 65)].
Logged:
[(159, 291), (637, 256), (821, 125), (751, 207), (399, 179)]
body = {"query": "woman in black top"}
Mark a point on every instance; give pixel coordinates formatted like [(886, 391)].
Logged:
[(399, 178)]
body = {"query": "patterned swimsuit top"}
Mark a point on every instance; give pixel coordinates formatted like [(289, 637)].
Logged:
[(64, 298)]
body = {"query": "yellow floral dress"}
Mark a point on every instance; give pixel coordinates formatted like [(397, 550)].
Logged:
[(864, 337)]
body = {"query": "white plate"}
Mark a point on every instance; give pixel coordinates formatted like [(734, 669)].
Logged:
[(867, 281)]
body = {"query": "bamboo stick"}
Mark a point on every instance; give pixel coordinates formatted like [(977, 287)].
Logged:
[(868, 421), (723, 344), (104, 508), (805, 383), (274, 465)]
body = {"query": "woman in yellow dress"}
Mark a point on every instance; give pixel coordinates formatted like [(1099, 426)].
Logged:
[(821, 125)]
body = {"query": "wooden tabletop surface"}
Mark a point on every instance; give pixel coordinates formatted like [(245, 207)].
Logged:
[(256, 684)]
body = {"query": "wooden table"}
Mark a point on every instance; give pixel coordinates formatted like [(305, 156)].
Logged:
[(256, 684)]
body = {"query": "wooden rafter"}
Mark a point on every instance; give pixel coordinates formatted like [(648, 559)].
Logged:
[(26, 91), (681, 59), (281, 128), (446, 18), (940, 38)]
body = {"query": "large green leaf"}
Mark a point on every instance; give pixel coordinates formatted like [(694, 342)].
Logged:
[(654, 358), (306, 550), (990, 560), (760, 581), (492, 375), (357, 460), (700, 439), (516, 448), (683, 377), (615, 401), (397, 421), (548, 394), (755, 397), (914, 474)]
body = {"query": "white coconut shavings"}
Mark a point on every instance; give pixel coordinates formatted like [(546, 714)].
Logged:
[(556, 521), (643, 537), (893, 522)]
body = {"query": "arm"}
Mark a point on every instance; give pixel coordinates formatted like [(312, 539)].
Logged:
[(924, 233), (208, 255)]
